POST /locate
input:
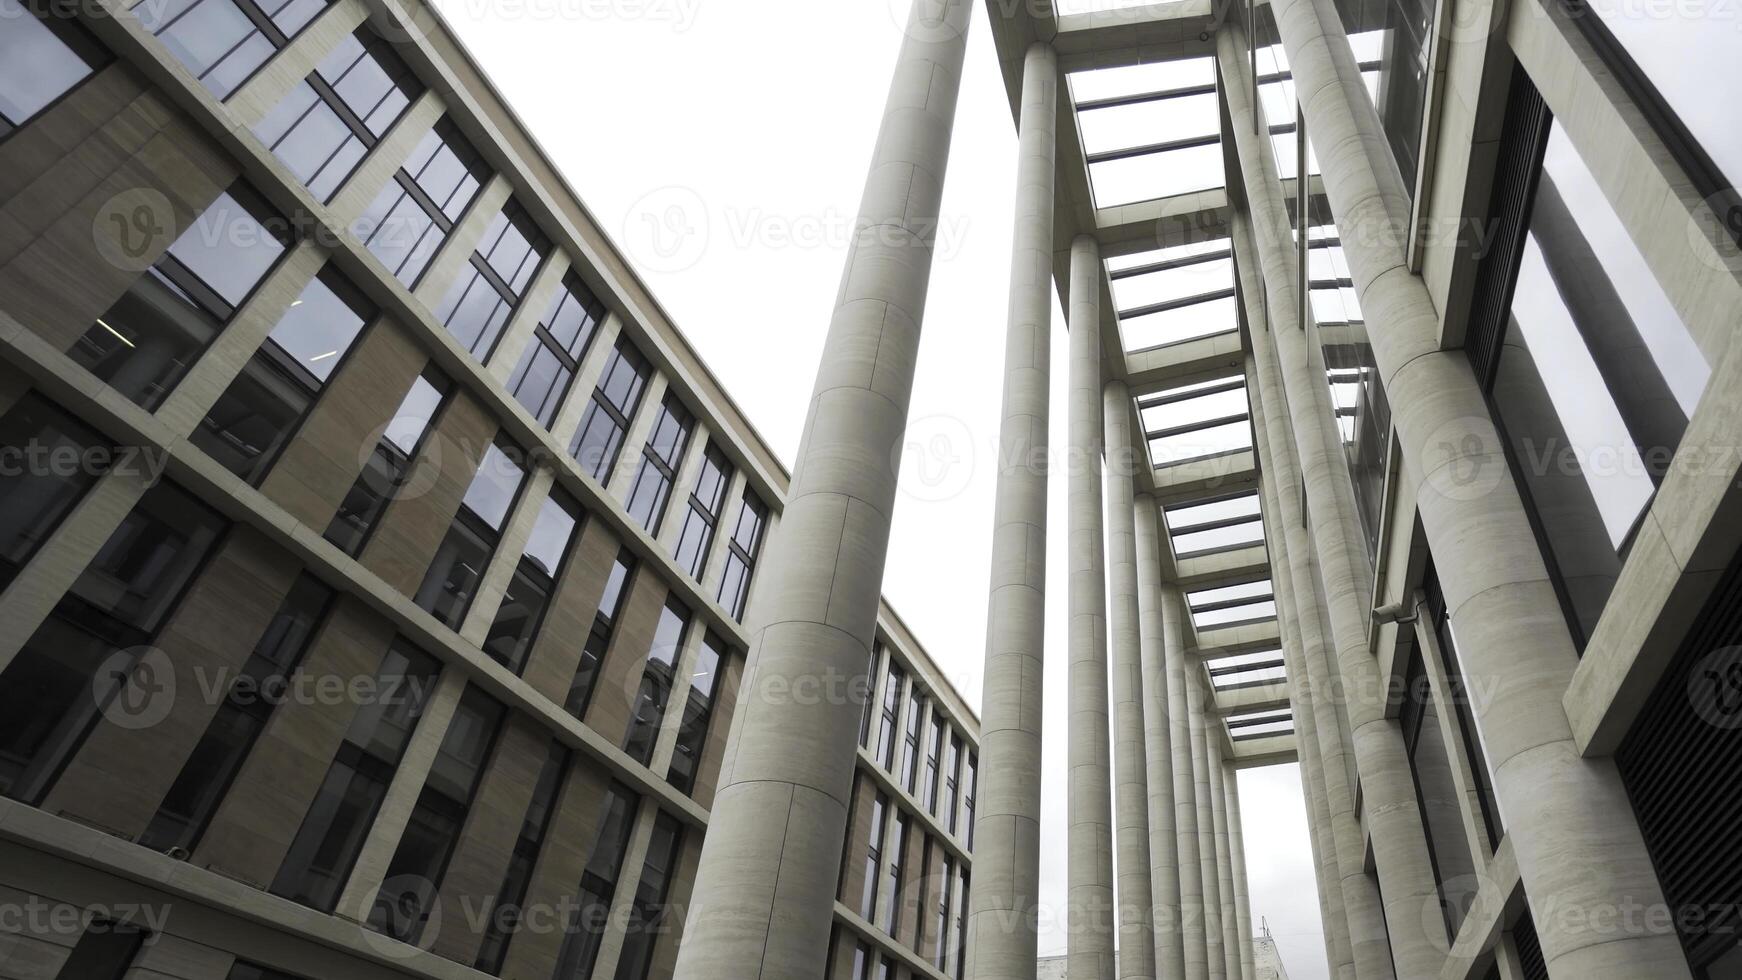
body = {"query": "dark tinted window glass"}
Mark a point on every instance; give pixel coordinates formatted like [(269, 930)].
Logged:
[(452, 580), (648, 711), (223, 42), (542, 378), (188, 807), (598, 885), (322, 128), (505, 918), (336, 825), (692, 737), (387, 467), (480, 301), (599, 636), (91, 655), (648, 914), (411, 217), (703, 516), (105, 951), (413, 878), (48, 460), (607, 417), (262, 408), (523, 607), (741, 554), (41, 59), (659, 462), (144, 343)]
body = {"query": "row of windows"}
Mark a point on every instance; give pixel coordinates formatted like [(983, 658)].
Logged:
[(941, 924), (72, 670), (951, 767), (145, 343)]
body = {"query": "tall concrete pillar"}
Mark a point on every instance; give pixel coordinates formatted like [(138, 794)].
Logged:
[(1307, 703), (763, 904), (1137, 935), (1224, 857), (1164, 852), (1090, 927), (1202, 733), (1004, 902), (1569, 822), (1393, 817), (1185, 789), (1242, 893)]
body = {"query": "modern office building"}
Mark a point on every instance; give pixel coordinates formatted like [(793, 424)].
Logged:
[(377, 553), (364, 514)]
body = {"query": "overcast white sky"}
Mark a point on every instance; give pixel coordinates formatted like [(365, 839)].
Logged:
[(724, 145)]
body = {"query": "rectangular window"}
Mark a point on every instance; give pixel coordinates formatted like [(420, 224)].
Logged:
[(256, 416), (485, 293), (541, 380), (947, 878), (870, 706), (648, 712), (592, 915), (649, 913), (414, 876), (42, 58), (910, 744), (1430, 764), (896, 873), (504, 919), (322, 128), (621, 385), (885, 751), (599, 636), (417, 210), (706, 501), (741, 553), (145, 343), (953, 782), (37, 488), (105, 951), (971, 788), (959, 950), (522, 611), (929, 793), (337, 823), (224, 42), (874, 856), (72, 670), (660, 459), (452, 580), (187, 809), (387, 468), (692, 736)]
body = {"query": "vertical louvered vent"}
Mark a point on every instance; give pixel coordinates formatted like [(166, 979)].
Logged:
[(1682, 765), (1521, 144), (1529, 949)]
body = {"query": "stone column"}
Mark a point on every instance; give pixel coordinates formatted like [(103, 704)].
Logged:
[(1242, 895), (1224, 856), (1004, 901), (1090, 924), (1305, 701), (1215, 963), (1185, 790), (1137, 946), (1164, 856), (1577, 845), (763, 904), (1387, 791)]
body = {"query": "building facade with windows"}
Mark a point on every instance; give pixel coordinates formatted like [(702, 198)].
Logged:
[(377, 554)]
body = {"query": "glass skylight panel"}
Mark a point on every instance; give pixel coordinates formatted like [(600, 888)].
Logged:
[(1206, 408), (1154, 175), (1156, 76), (1233, 522), (1247, 669), (1134, 124), (1191, 515), (1243, 603), (1263, 724), (1066, 7), (1199, 443), (1167, 285), (1175, 326), (1120, 263)]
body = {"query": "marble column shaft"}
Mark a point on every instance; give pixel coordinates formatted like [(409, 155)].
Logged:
[(1185, 790), (1164, 849)]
